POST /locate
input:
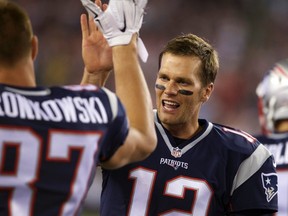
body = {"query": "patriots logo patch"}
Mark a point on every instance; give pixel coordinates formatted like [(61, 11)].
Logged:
[(270, 185)]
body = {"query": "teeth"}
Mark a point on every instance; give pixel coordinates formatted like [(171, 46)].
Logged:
[(170, 103)]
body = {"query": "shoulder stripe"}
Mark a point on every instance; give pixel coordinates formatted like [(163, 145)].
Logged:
[(250, 166), (113, 101), (29, 92)]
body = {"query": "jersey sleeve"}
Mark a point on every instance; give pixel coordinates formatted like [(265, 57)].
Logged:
[(257, 188), (118, 128)]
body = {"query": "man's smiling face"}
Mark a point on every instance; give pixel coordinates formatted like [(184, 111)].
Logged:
[(179, 91)]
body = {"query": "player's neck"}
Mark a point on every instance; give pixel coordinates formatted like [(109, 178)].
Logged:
[(183, 131), (22, 74)]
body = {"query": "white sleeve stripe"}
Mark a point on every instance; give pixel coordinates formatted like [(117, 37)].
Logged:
[(113, 101), (250, 166)]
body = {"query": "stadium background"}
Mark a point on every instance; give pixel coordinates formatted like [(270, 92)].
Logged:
[(249, 36)]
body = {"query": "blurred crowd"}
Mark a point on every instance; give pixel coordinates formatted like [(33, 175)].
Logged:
[(249, 36)]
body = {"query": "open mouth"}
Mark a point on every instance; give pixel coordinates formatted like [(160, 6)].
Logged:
[(170, 105)]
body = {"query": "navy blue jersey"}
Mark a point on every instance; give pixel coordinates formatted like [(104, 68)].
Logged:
[(51, 140), (218, 171), (278, 145)]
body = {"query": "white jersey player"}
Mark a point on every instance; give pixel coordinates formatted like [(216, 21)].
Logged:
[(273, 115)]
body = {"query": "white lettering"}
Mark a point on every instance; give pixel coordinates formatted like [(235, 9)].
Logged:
[(52, 110), (83, 116), (174, 163), (10, 104), (39, 114), (280, 152), (25, 109), (102, 110), (68, 109), (1, 111), (90, 106), (66, 104)]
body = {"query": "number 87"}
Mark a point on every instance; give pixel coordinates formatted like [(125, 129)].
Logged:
[(28, 147)]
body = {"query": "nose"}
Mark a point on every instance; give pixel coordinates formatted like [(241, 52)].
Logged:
[(171, 88)]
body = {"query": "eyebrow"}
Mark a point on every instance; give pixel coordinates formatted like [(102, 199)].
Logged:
[(178, 79), (181, 79)]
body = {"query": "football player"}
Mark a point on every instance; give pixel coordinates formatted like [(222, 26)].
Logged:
[(272, 92), (52, 138), (198, 168)]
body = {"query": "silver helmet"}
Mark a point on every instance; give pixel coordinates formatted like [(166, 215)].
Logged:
[(272, 94)]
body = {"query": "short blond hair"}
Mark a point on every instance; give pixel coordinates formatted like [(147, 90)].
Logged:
[(192, 45)]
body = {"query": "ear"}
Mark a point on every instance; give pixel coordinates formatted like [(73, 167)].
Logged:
[(35, 45), (206, 92)]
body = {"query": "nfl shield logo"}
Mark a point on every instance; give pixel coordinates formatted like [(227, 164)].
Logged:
[(176, 152), (270, 185)]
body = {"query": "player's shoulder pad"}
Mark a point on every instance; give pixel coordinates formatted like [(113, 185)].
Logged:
[(236, 138)]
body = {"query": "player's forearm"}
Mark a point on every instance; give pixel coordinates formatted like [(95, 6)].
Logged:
[(132, 89), (96, 78)]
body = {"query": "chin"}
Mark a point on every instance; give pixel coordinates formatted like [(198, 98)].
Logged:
[(166, 118)]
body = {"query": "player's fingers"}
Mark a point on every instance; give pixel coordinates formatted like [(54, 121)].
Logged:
[(84, 26), (99, 3), (92, 25), (104, 7), (92, 8)]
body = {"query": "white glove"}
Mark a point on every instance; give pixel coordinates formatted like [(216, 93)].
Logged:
[(120, 21)]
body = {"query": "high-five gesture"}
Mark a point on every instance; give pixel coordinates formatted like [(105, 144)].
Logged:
[(119, 21), (96, 53)]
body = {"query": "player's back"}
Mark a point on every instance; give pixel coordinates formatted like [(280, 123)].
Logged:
[(51, 140), (278, 145)]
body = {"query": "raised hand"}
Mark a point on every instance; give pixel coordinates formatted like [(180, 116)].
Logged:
[(96, 53), (120, 21)]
